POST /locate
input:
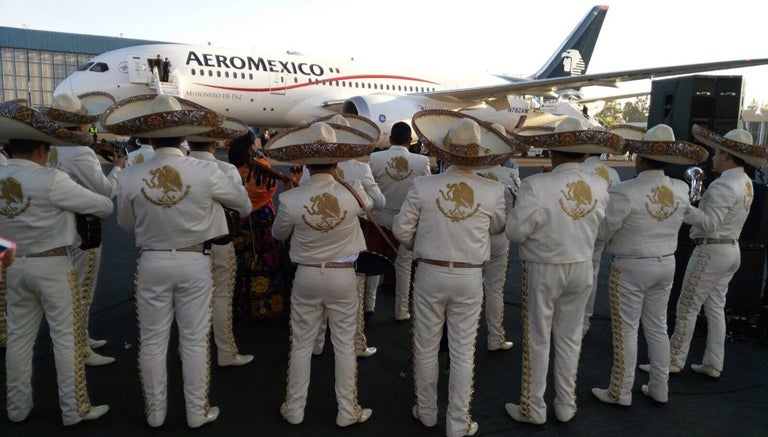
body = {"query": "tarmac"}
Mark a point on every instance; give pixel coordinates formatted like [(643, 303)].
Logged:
[(249, 397)]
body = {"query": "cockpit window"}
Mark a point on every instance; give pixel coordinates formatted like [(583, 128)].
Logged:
[(99, 67), (85, 66)]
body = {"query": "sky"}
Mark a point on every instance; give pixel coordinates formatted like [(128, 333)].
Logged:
[(497, 36)]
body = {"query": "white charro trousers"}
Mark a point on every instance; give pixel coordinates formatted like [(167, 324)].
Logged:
[(371, 287), (638, 292), (361, 342), (37, 287), (318, 293), (455, 296), (87, 263), (494, 278), (402, 281), (554, 297), (223, 260), (174, 284), (709, 271)]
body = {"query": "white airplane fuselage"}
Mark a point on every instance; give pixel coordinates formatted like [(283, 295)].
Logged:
[(283, 90)]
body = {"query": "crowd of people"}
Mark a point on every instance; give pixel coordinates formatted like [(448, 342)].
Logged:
[(213, 247)]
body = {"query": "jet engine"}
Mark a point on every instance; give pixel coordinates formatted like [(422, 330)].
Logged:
[(384, 110)]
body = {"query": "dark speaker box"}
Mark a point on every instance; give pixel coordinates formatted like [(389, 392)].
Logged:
[(713, 102)]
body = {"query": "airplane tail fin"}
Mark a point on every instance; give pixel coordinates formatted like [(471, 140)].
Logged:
[(573, 56)]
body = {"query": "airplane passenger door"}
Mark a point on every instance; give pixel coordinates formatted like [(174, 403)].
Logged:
[(277, 83), (138, 70)]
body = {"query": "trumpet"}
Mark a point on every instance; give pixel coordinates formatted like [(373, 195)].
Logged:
[(695, 177)]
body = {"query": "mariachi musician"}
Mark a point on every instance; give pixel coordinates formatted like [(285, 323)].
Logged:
[(321, 220), (82, 165), (349, 171), (447, 221), (394, 170)]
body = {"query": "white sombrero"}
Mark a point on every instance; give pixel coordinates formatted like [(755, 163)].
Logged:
[(627, 131), (659, 144), (157, 116), (737, 142), (534, 130), (319, 143), (96, 102), (462, 139), (355, 122), (68, 111), (570, 135), (231, 128), (24, 123)]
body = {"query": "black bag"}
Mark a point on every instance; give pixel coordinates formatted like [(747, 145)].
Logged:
[(89, 229)]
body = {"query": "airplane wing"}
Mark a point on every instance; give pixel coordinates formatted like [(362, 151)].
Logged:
[(613, 97), (543, 87)]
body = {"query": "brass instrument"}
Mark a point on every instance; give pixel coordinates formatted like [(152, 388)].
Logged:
[(695, 177)]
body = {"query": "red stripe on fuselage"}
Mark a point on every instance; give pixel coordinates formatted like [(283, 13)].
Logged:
[(300, 85)]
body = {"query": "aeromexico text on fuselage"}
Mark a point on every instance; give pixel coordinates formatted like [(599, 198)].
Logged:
[(249, 63)]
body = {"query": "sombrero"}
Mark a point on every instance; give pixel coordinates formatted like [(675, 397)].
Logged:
[(319, 143), (358, 122), (96, 102), (627, 131), (157, 116), (231, 128), (570, 135), (462, 139), (534, 130), (24, 123), (68, 110), (737, 142), (659, 144)]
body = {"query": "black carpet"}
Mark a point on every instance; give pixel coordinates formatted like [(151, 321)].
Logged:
[(250, 396)]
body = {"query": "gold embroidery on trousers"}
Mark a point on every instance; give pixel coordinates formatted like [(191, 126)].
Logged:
[(463, 198), (168, 180), (619, 357), (13, 195), (80, 349), (327, 207), (664, 200), (399, 168), (579, 195), (686, 309), (525, 389)]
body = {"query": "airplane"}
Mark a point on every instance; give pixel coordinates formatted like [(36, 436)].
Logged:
[(284, 90)]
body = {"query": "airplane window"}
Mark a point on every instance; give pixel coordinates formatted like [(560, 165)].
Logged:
[(343, 83), (250, 76), (242, 75), (218, 74), (226, 74), (398, 88), (387, 87), (193, 72), (202, 72), (369, 86), (210, 73), (85, 67), (99, 67), (295, 80)]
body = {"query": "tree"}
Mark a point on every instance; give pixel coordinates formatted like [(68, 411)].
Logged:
[(636, 111), (633, 111), (610, 114)]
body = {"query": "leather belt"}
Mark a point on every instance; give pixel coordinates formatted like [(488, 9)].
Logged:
[(460, 265), (333, 265), (699, 241), (204, 248), (56, 251)]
